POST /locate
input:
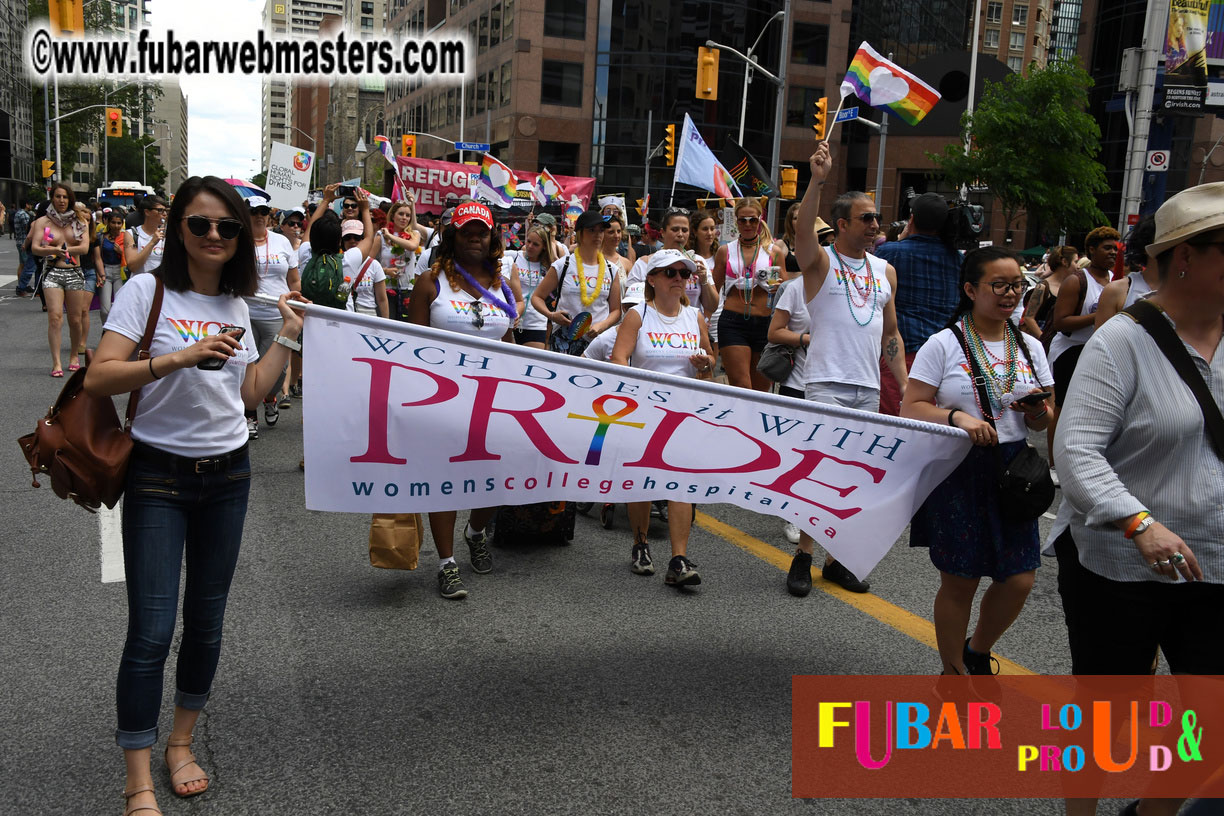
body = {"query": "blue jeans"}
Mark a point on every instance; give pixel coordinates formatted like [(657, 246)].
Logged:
[(167, 511), (29, 264)]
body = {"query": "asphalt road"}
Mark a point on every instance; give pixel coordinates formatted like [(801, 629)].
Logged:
[(563, 684)]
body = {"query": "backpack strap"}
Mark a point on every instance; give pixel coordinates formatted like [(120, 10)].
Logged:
[(1081, 276), (975, 374), (361, 274), (1024, 348), (1151, 317), (145, 341)]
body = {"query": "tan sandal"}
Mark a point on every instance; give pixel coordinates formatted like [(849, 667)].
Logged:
[(184, 742), (127, 797)]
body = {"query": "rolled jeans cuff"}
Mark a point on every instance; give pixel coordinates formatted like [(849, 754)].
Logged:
[(191, 702), (135, 740)]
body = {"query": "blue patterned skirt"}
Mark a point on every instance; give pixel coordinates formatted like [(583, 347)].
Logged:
[(960, 522)]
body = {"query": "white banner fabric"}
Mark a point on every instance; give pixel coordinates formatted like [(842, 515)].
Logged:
[(288, 180), (402, 418)]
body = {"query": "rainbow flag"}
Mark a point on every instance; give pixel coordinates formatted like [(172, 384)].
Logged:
[(388, 153), (885, 85), (547, 189), (496, 184)]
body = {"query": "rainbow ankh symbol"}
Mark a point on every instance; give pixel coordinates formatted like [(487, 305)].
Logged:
[(606, 421)]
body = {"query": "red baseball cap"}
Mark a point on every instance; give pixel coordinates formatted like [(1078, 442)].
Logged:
[(472, 211)]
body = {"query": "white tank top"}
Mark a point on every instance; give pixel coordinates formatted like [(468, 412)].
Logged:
[(530, 273), (744, 276), (457, 311), (1139, 289), (665, 344), (570, 301), (395, 260), (847, 321), (1092, 298)]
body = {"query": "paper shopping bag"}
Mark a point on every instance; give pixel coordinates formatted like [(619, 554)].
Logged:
[(395, 540)]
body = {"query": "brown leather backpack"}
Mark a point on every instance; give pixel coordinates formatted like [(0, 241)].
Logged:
[(80, 444)]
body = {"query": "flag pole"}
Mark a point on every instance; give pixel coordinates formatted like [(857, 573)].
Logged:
[(833, 124)]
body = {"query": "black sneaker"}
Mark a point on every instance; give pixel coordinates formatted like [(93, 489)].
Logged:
[(976, 663), (295, 390), (799, 578), (271, 412), (482, 559), (680, 572), (252, 427), (284, 402), (450, 585), (642, 565), (844, 578), (658, 510)]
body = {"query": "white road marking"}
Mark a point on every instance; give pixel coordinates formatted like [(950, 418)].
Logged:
[(110, 524)]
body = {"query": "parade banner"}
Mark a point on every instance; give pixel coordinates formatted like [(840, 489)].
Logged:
[(288, 180), (432, 181), (1185, 81), (402, 418)]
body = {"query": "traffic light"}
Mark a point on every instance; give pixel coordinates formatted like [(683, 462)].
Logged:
[(669, 145), (408, 148), (67, 16), (48, 168), (790, 183), (820, 123), (707, 73), (114, 122)]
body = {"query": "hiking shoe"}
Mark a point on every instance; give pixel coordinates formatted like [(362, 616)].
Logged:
[(271, 412), (642, 565), (680, 572), (977, 663), (791, 532), (844, 578), (284, 402), (799, 578), (478, 546), (450, 585), (252, 427)]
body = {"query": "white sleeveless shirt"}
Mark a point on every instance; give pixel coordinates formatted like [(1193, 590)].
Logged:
[(457, 311), (530, 274), (744, 276), (847, 321), (665, 344), (1092, 298)]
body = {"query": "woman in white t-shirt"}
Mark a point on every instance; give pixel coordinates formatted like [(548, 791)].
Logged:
[(466, 292), (665, 334), (396, 246), (961, 521), (582, 283), (789, 327), (366, 276), (276, 264), (531, 264), (189, 473)]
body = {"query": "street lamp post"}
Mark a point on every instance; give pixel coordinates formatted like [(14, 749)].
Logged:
[(144, 152), (748, 72)]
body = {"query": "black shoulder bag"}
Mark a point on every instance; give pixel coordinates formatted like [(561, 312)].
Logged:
[(1025, 487), (1151, 317)]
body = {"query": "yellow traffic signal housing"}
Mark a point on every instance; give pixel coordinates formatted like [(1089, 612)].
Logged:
[(67, 16), (707, 73), (114, 122), (48, 168), (790, 183), (670, 145), (408, 148), (820, 123)]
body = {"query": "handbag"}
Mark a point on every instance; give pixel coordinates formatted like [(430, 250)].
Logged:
[(80, 444), (777, 362), (1025, 487), (395, 540), (1151, 317)]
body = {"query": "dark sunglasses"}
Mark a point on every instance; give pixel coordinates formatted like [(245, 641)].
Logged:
[(261, 211), (349, 206), (477, 315), (227, 228), (867, 218), (295, 224), (671, 272), (747, 219)]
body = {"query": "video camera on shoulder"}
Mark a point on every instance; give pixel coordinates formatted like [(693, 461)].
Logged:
[(964, 225)]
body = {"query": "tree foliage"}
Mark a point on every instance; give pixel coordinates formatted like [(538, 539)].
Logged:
[(125, 161), (260, 179), (1034, 146)]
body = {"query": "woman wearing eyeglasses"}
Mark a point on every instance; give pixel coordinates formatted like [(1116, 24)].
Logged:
[(466, 292), (961, 521), (665, 313), (189, 473), (743, 273)]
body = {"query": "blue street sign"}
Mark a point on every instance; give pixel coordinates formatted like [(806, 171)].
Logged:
[(847, 114), (479, 147)]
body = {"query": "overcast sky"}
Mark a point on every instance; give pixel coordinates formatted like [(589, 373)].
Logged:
[(223, 113)]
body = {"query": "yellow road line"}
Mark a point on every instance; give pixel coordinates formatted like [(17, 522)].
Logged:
[(905, 622)]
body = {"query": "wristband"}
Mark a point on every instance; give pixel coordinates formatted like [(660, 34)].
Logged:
[(950, 413), (1039, 416), (151, 371), (1135, 522), (292, 345)]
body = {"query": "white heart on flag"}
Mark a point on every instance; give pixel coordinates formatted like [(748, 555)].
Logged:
[(550, 189), (886, 87), (498, 177)]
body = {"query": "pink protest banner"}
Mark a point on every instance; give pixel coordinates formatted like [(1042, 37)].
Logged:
[(432, 181)]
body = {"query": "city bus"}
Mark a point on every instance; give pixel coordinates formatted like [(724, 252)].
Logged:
[(123, 193)]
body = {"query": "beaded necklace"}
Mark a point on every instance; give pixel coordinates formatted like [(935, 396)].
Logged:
[(996, 386), (589, 298), (872, 290), (506, 305), (748, 273)]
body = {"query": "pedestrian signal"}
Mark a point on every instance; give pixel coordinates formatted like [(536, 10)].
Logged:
[(669, 145), (67, 16), (707, 73), (820, 123), (114, 122), (48, 168), (790, 181)]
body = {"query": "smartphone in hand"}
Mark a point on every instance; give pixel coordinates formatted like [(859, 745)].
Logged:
[(1034, 399), (212, 363)]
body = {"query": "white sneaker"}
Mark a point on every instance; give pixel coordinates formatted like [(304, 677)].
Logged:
[(252, 428), (1054, 477), (791, 532)]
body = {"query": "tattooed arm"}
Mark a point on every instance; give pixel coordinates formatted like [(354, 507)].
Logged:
[(891, 343)]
